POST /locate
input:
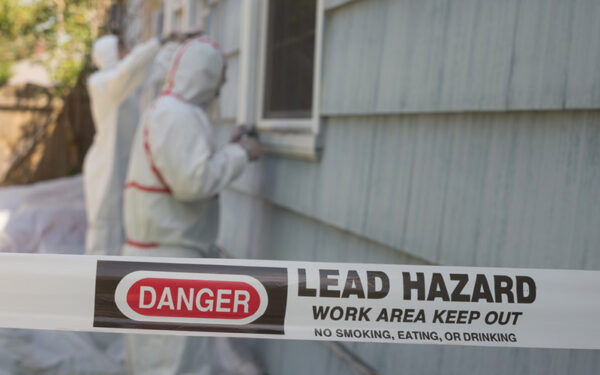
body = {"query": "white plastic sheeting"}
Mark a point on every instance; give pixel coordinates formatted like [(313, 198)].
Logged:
[(49, 217), (58, 352)]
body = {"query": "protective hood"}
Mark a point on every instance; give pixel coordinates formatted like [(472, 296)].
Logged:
[(105, 52), (196, 73)]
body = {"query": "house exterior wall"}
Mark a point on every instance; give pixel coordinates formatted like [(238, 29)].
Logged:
[(473, 55), (483, 189), (455, 133)]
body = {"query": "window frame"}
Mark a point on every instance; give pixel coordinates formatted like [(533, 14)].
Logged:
[(184, 7), (298, 137)]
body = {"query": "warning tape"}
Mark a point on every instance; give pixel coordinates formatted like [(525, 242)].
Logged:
[(509, 307)]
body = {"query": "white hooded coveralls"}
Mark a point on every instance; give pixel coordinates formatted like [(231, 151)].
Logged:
[(176, 170), (170, 209), (116, 116)]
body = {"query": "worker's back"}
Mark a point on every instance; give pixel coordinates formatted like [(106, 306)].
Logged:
[(153, 216), (176, 171)]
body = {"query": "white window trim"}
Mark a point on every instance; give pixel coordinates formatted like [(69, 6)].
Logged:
[(292, 137), (170, 7)]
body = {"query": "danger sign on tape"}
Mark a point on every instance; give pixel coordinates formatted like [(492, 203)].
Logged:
[(303, 300)]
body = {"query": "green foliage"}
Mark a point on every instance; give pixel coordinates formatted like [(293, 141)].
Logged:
[(5, 72), (66, 74), (19, 29), (62, 31)]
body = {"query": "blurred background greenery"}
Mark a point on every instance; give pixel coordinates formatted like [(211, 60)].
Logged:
[(54, 33)]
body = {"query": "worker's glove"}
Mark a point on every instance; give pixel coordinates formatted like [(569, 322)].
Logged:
[(238, 133), (252, 147)]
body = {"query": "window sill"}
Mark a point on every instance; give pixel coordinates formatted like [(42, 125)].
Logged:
[(285, 125), (305, 146)]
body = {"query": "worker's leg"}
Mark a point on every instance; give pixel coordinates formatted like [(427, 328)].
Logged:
[(167, 355)]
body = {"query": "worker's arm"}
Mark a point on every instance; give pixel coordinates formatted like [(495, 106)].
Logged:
[(157, 74), (181, 151), (130, 73)]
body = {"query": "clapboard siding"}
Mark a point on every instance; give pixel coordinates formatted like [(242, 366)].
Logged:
[(224, 28), (254, 228), (407, 56), (291, 358), (331, 4), (446, 140), (224, 24), (299, 358), (488, 189), (428, 359), (228, 98)]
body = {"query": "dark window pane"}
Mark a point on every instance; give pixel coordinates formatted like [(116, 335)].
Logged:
[(290, 58)]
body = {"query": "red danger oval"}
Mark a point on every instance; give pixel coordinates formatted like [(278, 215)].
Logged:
[(193, 298)]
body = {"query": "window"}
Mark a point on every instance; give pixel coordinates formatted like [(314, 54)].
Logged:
[(177, 20), (280, 73), (289, 68), (198, 11), (184, 15)]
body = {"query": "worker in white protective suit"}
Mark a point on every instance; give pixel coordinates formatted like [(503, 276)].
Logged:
[(176, 172), (116, 116)]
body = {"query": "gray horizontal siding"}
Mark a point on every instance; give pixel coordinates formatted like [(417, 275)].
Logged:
[(330, 4), (224, 28), (253, 228), (407, 56), (428, 359), (299, 358), (489, 189), (224, 24), (295, 357), (228, 98)]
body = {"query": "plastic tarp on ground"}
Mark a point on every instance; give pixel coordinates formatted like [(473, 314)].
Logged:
[(49, 217)]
